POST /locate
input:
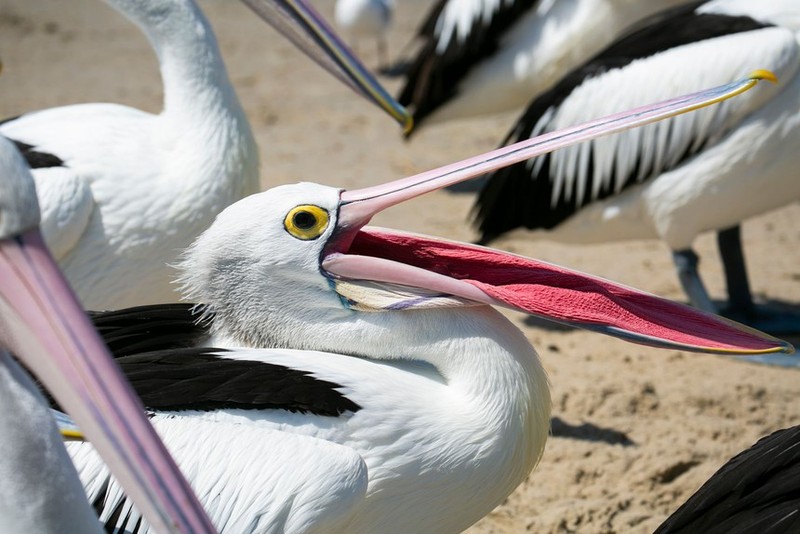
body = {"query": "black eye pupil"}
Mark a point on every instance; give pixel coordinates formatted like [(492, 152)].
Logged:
[(304, 220)]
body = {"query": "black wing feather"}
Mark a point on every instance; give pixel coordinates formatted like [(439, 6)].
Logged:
[(152, 327), (516, 196), (204, 379), (433, 78), (159, 348), (37, 159), (757, 491)]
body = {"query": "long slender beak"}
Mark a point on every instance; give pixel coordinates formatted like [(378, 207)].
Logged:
[(43, 324), (302, 25), (380, 270), (361, 204)]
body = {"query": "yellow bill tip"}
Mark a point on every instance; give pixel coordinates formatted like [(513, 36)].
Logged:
[(783, 348), (408, 124), (71, 435), (764, 74)]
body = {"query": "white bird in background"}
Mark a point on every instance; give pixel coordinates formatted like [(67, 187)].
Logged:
[(490, 56), (366, 19), (425, 408), (677, 179), (123, 191), (42, 322)]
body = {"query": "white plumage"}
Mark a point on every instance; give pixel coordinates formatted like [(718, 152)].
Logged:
[(454, 404), (40, 489)]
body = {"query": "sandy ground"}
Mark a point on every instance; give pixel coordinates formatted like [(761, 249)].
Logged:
[(651, 425)]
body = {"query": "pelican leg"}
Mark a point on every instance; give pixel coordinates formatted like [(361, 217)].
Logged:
[(740, 306), (686, 262), (740, 299)]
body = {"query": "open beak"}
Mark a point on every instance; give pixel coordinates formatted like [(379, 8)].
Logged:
[(302, 25), (43, 324), (377, 269)]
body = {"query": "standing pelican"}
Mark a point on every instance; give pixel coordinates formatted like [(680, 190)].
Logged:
[(42, 322), (393, 397), (677, 179), (121, 190)]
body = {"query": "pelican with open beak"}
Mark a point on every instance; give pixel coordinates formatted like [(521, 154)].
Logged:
[(357, 379)]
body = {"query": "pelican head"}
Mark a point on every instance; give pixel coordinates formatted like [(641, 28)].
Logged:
[(43, 324), (280, 267), (258, 266)]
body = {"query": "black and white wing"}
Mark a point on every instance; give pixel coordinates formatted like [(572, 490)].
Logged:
[(679, 51)]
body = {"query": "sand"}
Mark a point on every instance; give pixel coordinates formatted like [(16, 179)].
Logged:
[(650, 425)]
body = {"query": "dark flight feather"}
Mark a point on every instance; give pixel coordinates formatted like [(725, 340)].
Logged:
[(433, 78), (202, 378), (756, 492), (152, 327)]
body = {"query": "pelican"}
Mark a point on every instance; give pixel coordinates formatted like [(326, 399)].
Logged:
[(675, 180), (32, 456), (368, 365), (366, 19), (42, 322), (755, 491), (123, 191), (488, 56)]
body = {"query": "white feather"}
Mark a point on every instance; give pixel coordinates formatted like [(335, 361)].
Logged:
[(436, 460)]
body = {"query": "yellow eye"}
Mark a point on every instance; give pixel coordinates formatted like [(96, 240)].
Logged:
[(306, 222)]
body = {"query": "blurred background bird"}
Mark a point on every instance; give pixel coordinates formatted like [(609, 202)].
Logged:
[(363, 20), (477, 57), (675, 180)]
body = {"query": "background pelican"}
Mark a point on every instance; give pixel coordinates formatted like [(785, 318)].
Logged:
[(489, 56), (678, 179), (426, 409), (366, 19), (122, 190), (41, 321)]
